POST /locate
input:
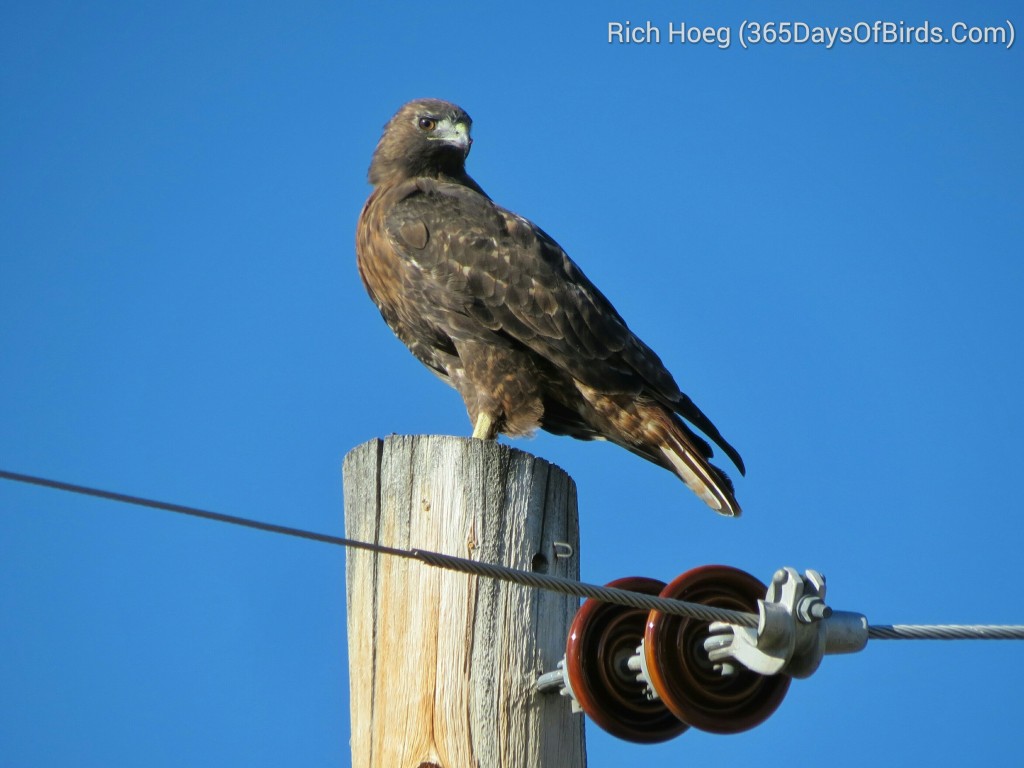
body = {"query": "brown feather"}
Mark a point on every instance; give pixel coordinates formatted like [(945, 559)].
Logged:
[(494, 306)]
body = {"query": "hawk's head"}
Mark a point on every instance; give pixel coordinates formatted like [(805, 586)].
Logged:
[(426, 137)]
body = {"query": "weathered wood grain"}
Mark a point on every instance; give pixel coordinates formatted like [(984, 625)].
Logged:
[(442, 664)]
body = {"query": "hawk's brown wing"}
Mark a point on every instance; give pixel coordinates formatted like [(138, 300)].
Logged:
[(480, 271)]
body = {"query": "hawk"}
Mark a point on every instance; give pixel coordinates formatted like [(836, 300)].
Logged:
[(492, 304)]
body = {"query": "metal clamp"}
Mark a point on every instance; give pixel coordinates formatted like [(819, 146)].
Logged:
[(795, 630), (557, 680)]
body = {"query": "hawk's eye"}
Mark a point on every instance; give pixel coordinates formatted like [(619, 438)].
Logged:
[(427, 123)]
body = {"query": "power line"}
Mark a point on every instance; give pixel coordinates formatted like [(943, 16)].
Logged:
[(529, 578), (181, 509), (491, 570), (945, 632)]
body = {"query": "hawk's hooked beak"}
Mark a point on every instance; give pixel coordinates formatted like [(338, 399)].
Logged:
[(456, 134)]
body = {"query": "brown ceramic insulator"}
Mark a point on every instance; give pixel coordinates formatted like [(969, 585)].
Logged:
[(601, 640), (680, 671)]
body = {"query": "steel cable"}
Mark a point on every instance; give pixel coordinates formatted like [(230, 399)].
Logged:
[(534, 579)]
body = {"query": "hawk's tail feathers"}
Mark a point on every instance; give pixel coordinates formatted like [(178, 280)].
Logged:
[(703, 478)]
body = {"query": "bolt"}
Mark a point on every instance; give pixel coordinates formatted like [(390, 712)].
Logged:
[(812, 608)]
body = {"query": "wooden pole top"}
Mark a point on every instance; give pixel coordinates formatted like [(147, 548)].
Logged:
[(443, 665)]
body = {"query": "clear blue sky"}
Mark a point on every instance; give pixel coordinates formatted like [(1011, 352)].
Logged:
[(824, 246)]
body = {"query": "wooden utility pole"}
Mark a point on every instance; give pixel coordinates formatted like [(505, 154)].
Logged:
[(442, 665)]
